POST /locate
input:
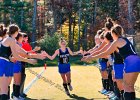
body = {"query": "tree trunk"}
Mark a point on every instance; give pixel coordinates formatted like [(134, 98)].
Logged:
[(70, 33), (34, 23), (79, 22)]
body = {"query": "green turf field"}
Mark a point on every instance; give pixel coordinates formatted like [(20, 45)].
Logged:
[(86, 81)]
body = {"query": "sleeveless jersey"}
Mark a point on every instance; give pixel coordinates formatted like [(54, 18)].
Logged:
[(63, 56), (127, 50)]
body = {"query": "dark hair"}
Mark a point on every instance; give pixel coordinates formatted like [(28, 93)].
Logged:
[(25, 35), (118, 30), (3, 30), (109, 24), (12, 29), (99, 32), (102, 36), (19, 35), (108, 36)]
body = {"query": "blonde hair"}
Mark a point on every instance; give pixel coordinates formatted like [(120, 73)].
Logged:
[(62, 40)]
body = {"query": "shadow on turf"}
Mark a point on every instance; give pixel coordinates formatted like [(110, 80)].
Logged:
[(73, 96), (76, 97), (35, 99)]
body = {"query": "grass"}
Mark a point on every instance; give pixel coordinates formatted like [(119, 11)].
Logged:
[(86, 81)]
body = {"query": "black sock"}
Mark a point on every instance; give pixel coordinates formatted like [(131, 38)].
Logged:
[(107, 84), (4, 97), (104, 83), (116, 90), (65, 86), (111, 83), (133, 95), (69, 83), (122, 94), (8, 92), (16, 91), (129, 96)]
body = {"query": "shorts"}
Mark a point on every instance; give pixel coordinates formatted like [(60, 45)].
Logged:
[(64, 68), (6, 68)]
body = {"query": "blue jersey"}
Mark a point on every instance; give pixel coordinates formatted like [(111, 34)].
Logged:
[(127, 50), (63, 56)]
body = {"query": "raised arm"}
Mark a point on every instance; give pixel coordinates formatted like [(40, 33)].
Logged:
[(100, 47), (16, 55), (34, 50), (92, 49), (109, 51), (26, 54), (53, 56), (101, 50), (73, 53)]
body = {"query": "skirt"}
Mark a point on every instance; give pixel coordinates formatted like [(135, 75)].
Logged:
[(118, 71), (103, 65), (17, 67), (64, 68), (132, 64), (6, 68)]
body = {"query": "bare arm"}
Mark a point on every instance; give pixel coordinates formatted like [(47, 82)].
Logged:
[(89, 51), (99, 48), (73, 53), (97, 52), (54, 55), (35, 49), (26, 54), (15, 53), (109, 51)]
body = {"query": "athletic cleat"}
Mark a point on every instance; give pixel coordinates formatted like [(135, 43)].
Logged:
[(107, 93), (103, 91), (21, 98), (67, 92), (114, 98), (111, 95), (23, 95), (70, 87), (15, 98)]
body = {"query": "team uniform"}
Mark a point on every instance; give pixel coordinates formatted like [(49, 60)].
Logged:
[(131, 59), (64, 65), (103, 64), (131, 64), (17, 64), (6, 67), (118, 65)]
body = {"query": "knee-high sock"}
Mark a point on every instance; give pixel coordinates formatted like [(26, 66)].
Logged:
[(8, 92), (4, 97), (104, 83), (23, 77), (107, 84), (22, 83), (65, 86), (111, 87), (129, 96), (16, 91), (122, 94), (116, 90)]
